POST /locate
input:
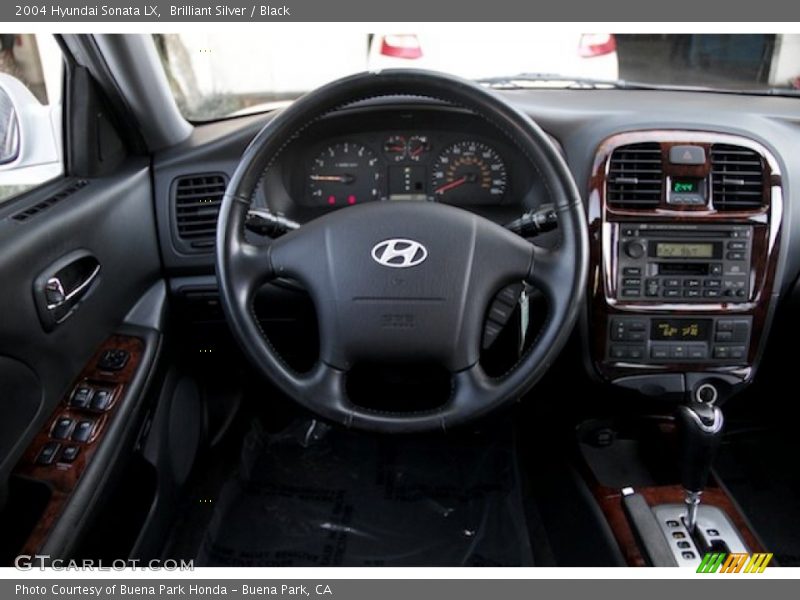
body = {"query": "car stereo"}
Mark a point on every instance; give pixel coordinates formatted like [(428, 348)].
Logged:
[(683, 262)]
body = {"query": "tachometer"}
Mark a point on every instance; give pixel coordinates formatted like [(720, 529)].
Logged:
[(469, 172), (344, 174)]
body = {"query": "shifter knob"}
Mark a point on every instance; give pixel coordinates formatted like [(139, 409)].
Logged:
[(700, 428)]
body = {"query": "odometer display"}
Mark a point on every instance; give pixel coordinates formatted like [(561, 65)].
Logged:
[(469, 172)]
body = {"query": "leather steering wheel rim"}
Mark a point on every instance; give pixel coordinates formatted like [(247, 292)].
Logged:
[(357, 309)]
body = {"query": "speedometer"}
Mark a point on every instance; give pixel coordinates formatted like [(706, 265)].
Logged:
[(469, 172), (344, 174)]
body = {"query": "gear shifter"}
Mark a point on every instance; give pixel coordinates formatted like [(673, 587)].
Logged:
[(700, 426)]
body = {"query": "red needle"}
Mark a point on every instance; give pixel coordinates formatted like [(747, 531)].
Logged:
[(449, 186)]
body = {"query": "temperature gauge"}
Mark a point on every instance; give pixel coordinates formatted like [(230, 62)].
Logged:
[(395, 148)]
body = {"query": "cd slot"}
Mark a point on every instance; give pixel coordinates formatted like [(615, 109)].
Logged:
[(683, 268), (686, 233)]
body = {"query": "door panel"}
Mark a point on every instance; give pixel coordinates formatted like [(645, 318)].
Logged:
[(110, 219)]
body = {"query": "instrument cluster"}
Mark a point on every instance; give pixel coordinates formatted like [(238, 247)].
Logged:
[(406, 166)]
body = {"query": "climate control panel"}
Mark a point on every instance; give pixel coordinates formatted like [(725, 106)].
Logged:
[(656, 340)]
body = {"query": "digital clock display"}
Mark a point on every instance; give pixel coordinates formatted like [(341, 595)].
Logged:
[(684, 250), (685, 186)]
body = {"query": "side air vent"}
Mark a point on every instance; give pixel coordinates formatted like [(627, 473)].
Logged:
[(635, 177), (45, 204), (737, 178), (197, 199)]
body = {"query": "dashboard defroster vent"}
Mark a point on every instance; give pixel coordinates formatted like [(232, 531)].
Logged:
[(197, 199), (635, 177), (26, 214), (737, 178)]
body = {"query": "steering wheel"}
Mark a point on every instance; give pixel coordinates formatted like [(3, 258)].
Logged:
[(401, 281)]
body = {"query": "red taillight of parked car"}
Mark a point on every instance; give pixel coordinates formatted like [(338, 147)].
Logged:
[(401, 46), (597, 44)]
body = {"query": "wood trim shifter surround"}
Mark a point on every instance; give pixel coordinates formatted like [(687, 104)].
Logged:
[(60, 476), (604, 230)]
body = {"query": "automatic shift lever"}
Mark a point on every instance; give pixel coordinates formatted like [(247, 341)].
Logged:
[(700, 425)]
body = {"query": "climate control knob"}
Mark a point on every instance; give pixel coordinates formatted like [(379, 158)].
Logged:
[(634, 249)]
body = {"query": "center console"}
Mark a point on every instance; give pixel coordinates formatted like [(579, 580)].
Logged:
[(685, 230)]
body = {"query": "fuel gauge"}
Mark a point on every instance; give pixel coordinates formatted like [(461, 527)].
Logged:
[(418, 146)]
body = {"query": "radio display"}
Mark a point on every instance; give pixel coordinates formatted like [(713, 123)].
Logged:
[(684, 250), (680, 330)]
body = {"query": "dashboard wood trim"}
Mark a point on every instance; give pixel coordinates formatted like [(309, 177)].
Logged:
[(604, 223)]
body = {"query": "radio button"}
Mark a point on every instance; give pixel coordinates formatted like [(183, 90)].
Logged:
[(735, 256), (724, 336), (715, 269), (635, 249), (691, 283), (691, 293), (712, 283), (672, 293), (632, 281), (631, 293), (636, 352), (637, 325), (712, 293), (618, 352), (671, 283), (737, 245), (632, 271)]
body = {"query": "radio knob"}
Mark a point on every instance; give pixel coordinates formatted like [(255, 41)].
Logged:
[(634, 249)]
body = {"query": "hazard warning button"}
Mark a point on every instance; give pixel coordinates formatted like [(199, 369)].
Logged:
[(687, 155)]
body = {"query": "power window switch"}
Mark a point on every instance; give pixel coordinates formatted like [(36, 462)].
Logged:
[(81, 396), (101, 400), (69, 454), (114, 359), (83, 431), (48, 453), (62, 428)]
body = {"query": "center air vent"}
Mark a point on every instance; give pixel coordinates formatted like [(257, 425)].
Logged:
[(737, 178), (196, 206), (635, 177)]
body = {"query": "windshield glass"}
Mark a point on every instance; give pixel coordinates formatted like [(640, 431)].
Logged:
[(215, 75)]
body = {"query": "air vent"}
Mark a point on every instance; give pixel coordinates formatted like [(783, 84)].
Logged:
[(52, 200), (737, 178), (197, 201), (635, 177)]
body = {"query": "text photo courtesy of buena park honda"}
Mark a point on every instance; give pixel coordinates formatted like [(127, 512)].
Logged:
[(415, 298)]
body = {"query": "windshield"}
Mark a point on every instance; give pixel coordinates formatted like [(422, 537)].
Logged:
[(215, 75)]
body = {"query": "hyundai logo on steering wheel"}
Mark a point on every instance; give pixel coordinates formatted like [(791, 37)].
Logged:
[(399, 253)]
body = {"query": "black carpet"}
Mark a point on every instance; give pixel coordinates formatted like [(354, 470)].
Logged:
[(315, 496), (761, 471)]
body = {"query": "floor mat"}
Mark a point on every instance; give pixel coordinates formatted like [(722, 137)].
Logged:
[(760, 470), (319, 496)]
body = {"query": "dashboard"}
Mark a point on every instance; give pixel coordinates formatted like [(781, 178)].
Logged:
[(688, 256)]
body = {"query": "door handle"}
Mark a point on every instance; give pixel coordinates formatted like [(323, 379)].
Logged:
[(57, 297), (59, 289)]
